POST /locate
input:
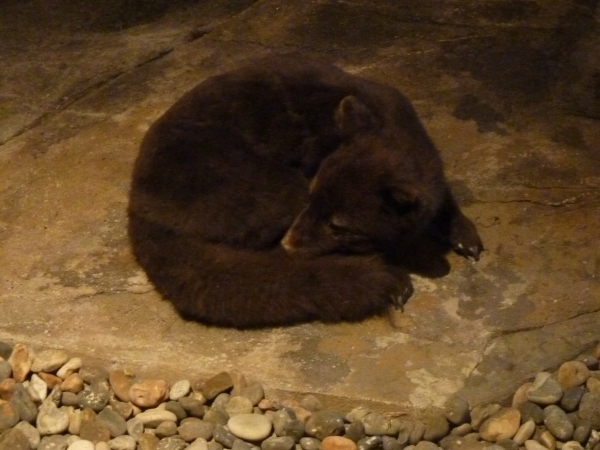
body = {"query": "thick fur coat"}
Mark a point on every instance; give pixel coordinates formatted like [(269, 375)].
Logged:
[(277, 193)]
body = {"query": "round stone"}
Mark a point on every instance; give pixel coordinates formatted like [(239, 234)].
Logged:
[(81, 444), (223, 436), (14, 439), (530, 444), (216, 385), (502, 425), (120, 382), (572, 445), (354, 430), (308, 443), (377, 425), (436, 428), (52, 420), (589, 409), (135, 428), (480, 413), (370, 443), (571, 398), (278, 443), (94, 431), (324, 423), (593, 385), (545, 390), (73, 383), (30, 432), (198, 444), (122, 443), (338, 443), (456, 410), (69, 367), (180, 389), (558, 423), (9, 417), (171, 443), (524, 432), (311, 403), (5, 370), (148, 393), (253, 392), (49, 360), (426, 445), (251, 427), (166, 429), (193, 428), (113, 421), (192, 406), (154, 417), (572, 373), (238, 405)]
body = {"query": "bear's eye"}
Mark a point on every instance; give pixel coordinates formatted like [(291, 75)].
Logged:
[(338, 225)]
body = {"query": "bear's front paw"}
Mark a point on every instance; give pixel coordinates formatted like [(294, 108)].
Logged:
[(465, 240), (401, 296)]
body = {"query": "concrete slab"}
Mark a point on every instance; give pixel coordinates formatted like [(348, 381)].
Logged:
[(506, 92)]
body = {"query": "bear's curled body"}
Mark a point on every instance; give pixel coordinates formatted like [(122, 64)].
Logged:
[(271, 195)]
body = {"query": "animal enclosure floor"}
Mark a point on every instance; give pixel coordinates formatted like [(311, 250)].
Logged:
[(507, 90)]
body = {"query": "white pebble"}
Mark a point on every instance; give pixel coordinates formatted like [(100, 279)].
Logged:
[(39, 386), (251, 427), (154, 417), (179, 389), (72, 365), (198, 444), (122, 443), (81, 444)]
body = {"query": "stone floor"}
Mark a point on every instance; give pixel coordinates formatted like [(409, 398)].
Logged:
[(509, 91)]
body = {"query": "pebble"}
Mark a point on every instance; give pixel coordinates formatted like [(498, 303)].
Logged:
[(311, 403), (20, 362), (94, 431), (558, 423), (14, 439), (308, 443), (51, 419), (325, 423), (198, 444), (589, 409), (73, 383), (82, 444), (545, 390), (571, 398), (480, 413), (530, 444), (193, 428), (30, 432), (223, 436), (154, 417), (426, 445), (122, 443), (5, 370), (254, 392), (502, 425), (456, 410), (9, 417), (278, 443), (69, 367), (179, 389), (148, 393), (593, 385), (294, 429), (436, 428), (115, 423), (369, 443), (91, 373), (524, 432), (355, 430), (193, 407), (148, 442), (166, 429), (216, 385), (171, 443), (417, 432), (49, 360), (96, 396), (251, 427), (582, 432), (377, 425), (572, 374), (389, 443), (572, 445), (238, 405), (216, 417), (338, 443)]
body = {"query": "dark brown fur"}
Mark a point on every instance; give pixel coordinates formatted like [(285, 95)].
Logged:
[(338, 167)]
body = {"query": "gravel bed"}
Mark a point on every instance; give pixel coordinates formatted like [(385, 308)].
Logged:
[(50, 401)]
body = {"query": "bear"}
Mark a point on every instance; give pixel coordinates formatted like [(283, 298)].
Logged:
[(282, 192)]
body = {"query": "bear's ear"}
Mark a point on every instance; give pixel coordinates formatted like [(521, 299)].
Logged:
[(353, 116)]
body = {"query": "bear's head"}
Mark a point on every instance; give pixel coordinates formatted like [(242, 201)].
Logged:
[(372, 194)]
